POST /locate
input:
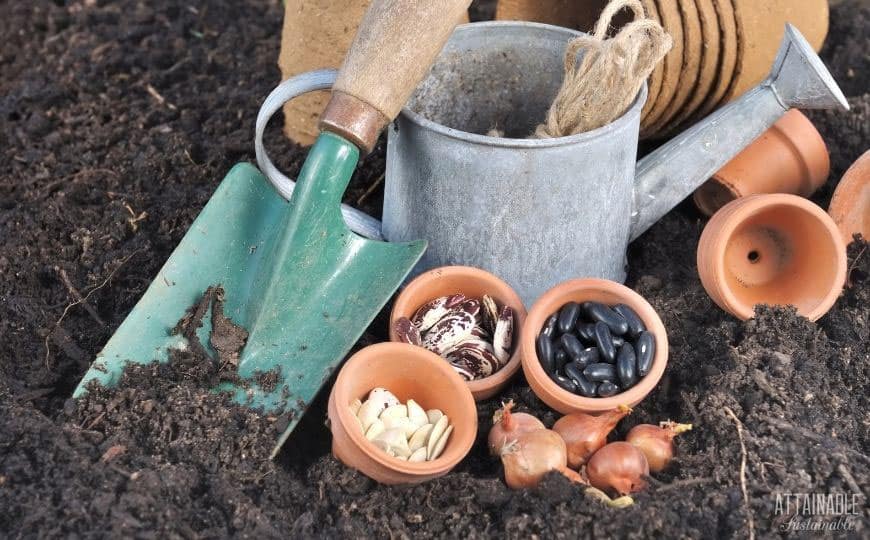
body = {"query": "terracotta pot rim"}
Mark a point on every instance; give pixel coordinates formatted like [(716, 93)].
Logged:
[(456, 450), (571, 290), (746, 207), (501, 290)]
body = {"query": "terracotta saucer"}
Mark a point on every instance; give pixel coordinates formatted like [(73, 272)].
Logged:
[(692, 53), (850, 206), (673, 63), (710, 52), (760, 27), (728, 51)]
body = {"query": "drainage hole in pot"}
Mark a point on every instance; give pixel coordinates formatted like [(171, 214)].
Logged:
[(754, 256)]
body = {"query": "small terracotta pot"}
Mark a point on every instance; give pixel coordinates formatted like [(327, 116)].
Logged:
[(409, 372), (790, 157), (474, 283), (774, 249), (850, 205), (582, 290)]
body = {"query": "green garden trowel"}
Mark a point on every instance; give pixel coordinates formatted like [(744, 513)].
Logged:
[(293, 275)]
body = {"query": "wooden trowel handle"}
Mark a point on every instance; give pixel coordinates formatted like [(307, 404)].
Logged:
[(395, 46)]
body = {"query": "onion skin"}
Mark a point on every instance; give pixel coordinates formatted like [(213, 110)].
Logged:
[(585, 434), (619, 467), (656, 442), (531, 456), (508, 426)]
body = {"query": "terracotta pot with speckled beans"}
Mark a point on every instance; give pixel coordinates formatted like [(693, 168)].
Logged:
[(473, 283), (583, 290), (790, 157), (409, 372), (850, 205), (774, 249)]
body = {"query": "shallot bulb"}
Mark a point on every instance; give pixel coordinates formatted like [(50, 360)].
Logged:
[(532, 455), (656, 442), (584, 434), (618, 466), (508, 426)]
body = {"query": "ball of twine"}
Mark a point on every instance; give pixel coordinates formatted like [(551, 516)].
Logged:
[(603, 84)]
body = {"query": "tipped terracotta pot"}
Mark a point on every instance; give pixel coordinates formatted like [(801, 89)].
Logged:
[(775, 249), (473, 283), (850, 206), (790, 157), (409, 372), (582, 290)]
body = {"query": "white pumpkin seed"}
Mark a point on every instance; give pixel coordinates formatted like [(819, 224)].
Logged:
[(394, 411), (375, 429), (439, 446), (402, 458), (385, 396), (416, 413), (434, 415), (369, 412), (437, 431), (404, 423), (393, 440), (420, 437), (418, 456), (354, 406)]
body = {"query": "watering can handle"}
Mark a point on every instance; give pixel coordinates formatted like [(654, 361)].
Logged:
[(395, 45), (356, 220)]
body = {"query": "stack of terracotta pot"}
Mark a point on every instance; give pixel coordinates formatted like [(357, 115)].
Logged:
[(721, 47)]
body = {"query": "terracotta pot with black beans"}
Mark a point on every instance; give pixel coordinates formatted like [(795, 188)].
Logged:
[(591, 345)]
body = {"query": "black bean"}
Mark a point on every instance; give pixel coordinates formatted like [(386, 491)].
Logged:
[(626, 366), (573, 371), (585, 387), (544, 347), (604, 341), (618, 341), (646, 351), (572, 345), (607, 389), (586, 331), (635, 324), (599, 312), (564, 382), (559, 360), (600, 372), (568, 316), (550, 325), (588, 356)]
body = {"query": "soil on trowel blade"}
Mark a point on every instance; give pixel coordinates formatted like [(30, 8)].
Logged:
[(117, 121)]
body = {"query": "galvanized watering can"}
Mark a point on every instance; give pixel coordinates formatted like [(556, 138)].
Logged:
[(538, 211)]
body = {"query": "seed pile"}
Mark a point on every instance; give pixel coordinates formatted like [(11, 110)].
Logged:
[(595, 350), (475, 336), (404, 431)]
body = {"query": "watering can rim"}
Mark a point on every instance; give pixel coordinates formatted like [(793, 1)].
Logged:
[(505, 142)]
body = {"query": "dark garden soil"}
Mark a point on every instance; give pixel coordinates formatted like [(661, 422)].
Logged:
[(117, 121)]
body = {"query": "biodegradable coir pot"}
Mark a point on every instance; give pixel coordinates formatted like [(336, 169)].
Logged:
[(586, 290), (776, 249), (473, 283), (790, 157), (409, 372)]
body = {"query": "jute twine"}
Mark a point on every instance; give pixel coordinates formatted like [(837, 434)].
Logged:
[(610, 74)]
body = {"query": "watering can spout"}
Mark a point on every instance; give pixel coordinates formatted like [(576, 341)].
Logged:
[(668, 175)]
